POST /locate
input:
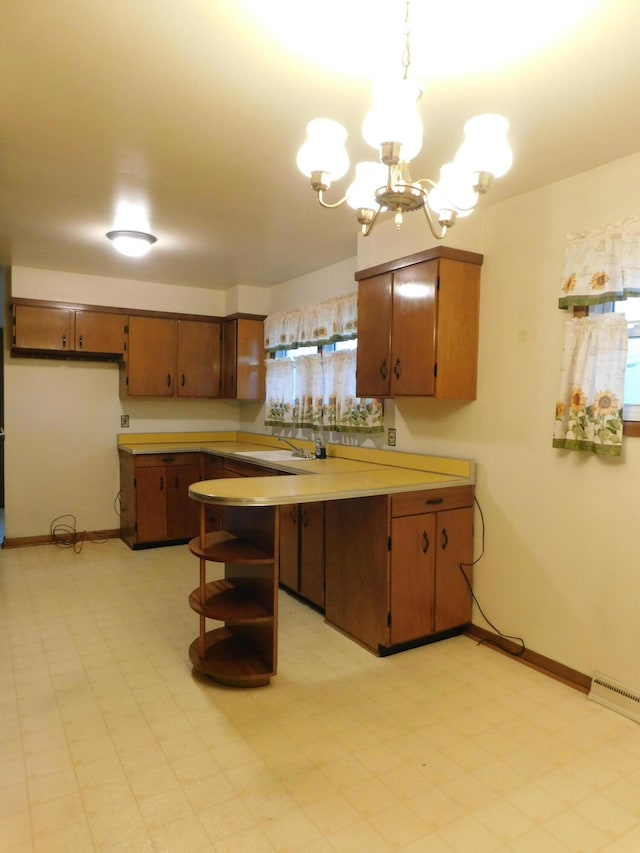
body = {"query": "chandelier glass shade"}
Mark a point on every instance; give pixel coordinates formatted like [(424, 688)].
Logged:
[(393, 127)]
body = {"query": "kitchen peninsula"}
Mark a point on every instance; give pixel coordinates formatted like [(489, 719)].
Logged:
[(395, 529)]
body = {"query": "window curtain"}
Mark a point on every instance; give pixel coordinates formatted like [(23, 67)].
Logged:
[(602, 265), (590, 400), (319, 392), (324, 323)]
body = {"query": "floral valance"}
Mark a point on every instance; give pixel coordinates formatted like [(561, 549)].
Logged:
[(329, 321), (602, 265)]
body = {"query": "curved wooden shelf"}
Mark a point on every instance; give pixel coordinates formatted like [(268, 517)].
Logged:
[(228, 661), (229, 600), (223, 547)]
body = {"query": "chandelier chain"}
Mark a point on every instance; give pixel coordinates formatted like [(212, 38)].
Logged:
[(406, 54)]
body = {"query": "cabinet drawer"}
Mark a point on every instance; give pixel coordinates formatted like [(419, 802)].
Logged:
[(431, 500), (149, 460)]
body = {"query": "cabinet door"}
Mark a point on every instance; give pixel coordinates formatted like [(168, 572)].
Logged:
[(243, 370), (229, 359), (199, 350), (457, 334), (289, 546), (413, 550), (183, 514), (100, 332), (151, 504), (357, 588), (454, 545), (39, 328), (213, 470), (413, 335), (312, 552), (151, 357), (373, 368)]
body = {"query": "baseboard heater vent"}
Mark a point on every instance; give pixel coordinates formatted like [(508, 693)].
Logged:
[(609, 692)]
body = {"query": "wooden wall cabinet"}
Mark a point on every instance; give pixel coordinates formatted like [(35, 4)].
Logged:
[(392, 566), (57, 330), (418, 323), (302, 534), (169, 357), (154, 498), (243, 370)]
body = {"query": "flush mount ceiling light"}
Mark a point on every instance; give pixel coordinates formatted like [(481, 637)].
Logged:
[(134, 244), (393, 126)]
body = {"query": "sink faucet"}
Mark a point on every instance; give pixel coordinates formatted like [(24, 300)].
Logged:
[(295, 451)]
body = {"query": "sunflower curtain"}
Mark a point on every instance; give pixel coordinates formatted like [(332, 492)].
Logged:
[(602, 265), (325, 323), (590, 400), (316, 391)]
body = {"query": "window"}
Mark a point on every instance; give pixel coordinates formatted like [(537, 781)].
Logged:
[(631, 309)]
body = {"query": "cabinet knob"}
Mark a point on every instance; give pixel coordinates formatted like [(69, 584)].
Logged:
[(444, 538), (425, 539)]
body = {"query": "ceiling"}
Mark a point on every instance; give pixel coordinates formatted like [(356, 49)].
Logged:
[(195, 111)]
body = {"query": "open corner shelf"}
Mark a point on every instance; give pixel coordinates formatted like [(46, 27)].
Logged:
[(242, 652)]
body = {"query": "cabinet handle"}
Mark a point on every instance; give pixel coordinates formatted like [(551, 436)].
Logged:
[(425, 539), (161, 484), (168, 380), (383, 369), (80, 342), (182, 380), (444, 538), (396, 368), (64, 342), (432, 501), (293, 514)]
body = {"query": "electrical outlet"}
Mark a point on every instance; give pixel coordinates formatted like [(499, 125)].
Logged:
[(124, 421), (391, 437)]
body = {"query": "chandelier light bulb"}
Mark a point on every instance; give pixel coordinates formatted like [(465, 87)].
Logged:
[(394, 117), (133, 244), (369, 177), (454, 191), (485, 147), (324, 150)]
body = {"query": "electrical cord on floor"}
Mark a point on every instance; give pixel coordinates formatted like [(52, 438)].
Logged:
[(462, 567), (65, 535)]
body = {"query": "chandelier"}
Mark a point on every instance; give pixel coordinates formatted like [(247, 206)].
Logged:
[(393, 126)]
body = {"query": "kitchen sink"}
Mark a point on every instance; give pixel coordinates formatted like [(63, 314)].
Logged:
[(272, 455)]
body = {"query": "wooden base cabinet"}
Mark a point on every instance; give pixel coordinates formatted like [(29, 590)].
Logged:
[(242, 651), (418, 326), (154, 498), (302, 550), (393, 575)]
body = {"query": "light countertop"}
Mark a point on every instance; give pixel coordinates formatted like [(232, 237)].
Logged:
[(347, 471)]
